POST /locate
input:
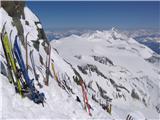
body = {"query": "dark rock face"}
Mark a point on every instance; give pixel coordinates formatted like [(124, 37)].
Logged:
[(135, 95), (14, 8), (103, 60), (155, 59), (87, 69)]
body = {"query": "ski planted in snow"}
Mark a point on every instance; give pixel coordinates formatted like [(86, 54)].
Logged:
[(11, 63), (26, 47), (54, 72), (40, 70), (10, 75), (9, 72), (62, 83), (48, 65), (33, 94), (85, 98), (34, 69)]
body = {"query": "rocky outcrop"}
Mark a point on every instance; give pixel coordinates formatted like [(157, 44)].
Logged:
[(15, 9)]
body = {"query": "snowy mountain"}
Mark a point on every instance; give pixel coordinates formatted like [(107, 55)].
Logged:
[(148, 37), (143, 33), (58, 34), (115, 69)]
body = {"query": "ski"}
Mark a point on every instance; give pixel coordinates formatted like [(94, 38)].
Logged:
[(9, 72), (34, 69), (16, 69), (11, 62), (40, 70), (62, 83), (33, 94), (54, 72), (48, 65), (10, 39), (85, 98)]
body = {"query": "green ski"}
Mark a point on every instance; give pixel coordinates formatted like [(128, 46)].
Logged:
[(9, 56), (9, 72)]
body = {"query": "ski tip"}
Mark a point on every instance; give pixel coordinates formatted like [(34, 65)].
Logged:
[(16, 37)]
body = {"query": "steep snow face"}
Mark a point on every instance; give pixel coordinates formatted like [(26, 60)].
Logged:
[(60, 98), (116, 71), (13, 106)]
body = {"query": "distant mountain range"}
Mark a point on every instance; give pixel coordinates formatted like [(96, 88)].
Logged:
[(148, 37)]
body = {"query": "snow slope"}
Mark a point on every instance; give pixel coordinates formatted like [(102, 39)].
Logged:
[(122, 61), (59, 103), (112, 66)]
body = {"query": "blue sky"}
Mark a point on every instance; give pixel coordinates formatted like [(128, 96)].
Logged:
[(96, 15)]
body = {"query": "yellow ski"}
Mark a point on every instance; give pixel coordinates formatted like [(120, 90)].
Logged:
[(8, 48), (55, 75)]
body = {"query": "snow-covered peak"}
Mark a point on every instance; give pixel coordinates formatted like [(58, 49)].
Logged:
[(112, 34), (115, 64), (113, 38)]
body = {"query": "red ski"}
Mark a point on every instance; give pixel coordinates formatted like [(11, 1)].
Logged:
[(85, 97)]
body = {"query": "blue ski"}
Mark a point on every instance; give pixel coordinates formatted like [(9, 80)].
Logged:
[(33, 93)]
